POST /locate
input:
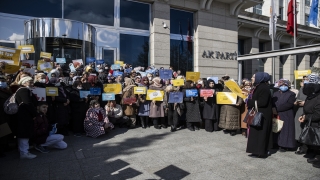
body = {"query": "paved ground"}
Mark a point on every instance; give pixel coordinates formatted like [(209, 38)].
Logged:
[(156, 154)]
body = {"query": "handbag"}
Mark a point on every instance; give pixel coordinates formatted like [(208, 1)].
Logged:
[(254, 118), (277, 124), (310, 135)]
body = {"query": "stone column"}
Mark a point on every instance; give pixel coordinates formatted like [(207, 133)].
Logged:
[(268, 63), (288, 66), (160, 36), (304, 60), (251, 45)]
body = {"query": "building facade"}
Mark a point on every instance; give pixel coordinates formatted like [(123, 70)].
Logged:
[(190, 35)]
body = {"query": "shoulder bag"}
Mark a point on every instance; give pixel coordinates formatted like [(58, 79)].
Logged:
[(310, 135), (253, 117)]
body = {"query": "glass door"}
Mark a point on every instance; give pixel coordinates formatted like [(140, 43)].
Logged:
[(109, 55)]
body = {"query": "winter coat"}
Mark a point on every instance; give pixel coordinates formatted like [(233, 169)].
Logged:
[(283, 102), (129, 110), (211, 108), (41, 131), (115, 112), (79, 108), (4, 95), (61, 111), (93, 126), (157, 108), (192, 109), (26, 112), (299, 111), (230, 115)]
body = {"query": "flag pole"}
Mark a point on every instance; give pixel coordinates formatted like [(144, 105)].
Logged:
[(62, 13), (294, 37), (272, 44)]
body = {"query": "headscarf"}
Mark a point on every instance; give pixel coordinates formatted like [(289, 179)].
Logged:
[(142, 81), (129, 83), (92, 79), (24, 80), (314, 78), (259, 78), (157, 82), (208, 82), (312, 88), (284, 82)]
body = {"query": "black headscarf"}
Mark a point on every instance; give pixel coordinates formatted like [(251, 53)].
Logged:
[(208, 82)]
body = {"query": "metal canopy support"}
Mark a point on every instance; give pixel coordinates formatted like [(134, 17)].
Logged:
[(281, 52)]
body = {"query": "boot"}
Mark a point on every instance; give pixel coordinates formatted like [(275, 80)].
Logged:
[(143, 124), (173, 129), (155, 124)]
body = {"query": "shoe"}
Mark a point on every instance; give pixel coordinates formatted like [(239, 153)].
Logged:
[(196, 128), (191, 129), (28, 156), (77, 135), (233, 133), (157, 127), (41, 149), (312, 160), (300, 152), (282, 149), (163, 126), (173, 129), (316, 164), (226, 131), (253, 155)]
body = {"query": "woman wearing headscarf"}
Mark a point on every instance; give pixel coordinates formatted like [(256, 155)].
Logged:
[(157, 107), (25, 116), (211, 109), (78, 107), (192, 109), (129, 110), (260, 138), (144, 105), (246, 87), (96, 122), (311, 112), (283, 102)]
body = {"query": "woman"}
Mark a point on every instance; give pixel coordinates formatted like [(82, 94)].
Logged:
[(96, 122), (211, 109), (283, 102), (191, 108), (144, 105), (78, 107), (25, 116), (230, 115), (115, 113), (260, 138), (129, 109), (174, 110), (311, 112), (157, 107), (246, 87), (15, 85)]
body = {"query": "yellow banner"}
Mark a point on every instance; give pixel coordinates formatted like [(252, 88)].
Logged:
[(10, 56), (119, 62), (112, 88), (156, 95), (178, 82), (11, 69), (44, 66), (298, 74), (26, 48), (45, 55), (226, 98), (140, 90), (234, 87), (193, 76), (51, 91)]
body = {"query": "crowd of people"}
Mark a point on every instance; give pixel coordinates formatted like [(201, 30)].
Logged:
[(45, 123)]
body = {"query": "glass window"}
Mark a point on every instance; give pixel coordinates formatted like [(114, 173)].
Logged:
[(240, 47), (134, 50), (257, 9), (93, 11), (180, 56), (307, 20), (307, 2), (180, 20), (108, 56), (280, 13), (134, 15)]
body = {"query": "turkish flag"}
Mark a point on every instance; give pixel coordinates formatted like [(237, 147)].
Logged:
[(291, 16)]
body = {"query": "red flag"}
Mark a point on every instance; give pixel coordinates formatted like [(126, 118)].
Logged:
[(291, 16), (189, 39)]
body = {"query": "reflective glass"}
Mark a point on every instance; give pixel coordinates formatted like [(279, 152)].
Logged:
[(180, 56), (180, 20), (134, 50), (134, 15), (108, 56), (93, 11)]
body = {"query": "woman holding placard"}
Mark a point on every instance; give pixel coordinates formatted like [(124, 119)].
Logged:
[(129, 100), (191, 107), (144, 105), (157, 107), (211, 109)]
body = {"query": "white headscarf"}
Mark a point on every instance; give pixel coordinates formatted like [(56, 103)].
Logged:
[(24, 80)]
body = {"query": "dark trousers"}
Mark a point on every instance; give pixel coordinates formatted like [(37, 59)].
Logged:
[(173, 118), (193, 124), (157, 121), (211, 125), (144, 121)]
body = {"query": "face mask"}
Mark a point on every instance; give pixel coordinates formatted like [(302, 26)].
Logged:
[(100, 71), (283, 88), (42, 81), (150, 78), (57, 84), (106, 68), (248, 88), (79, 87), (305, 82), (200, 82), (3, 85)]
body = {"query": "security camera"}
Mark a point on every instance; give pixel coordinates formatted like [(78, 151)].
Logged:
[(164, 25)]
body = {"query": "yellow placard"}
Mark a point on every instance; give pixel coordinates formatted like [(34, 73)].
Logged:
[(10, 56), (11, 69), (226, 98), (178, 82), (193, 76), (51, 91), (26, 48), (45, 55), (234, 87), (112, 88), (156, 95), (44, 66), (140, 90), (298, 74), (119, 62)]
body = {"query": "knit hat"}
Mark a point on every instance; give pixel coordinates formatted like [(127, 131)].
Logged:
[(24, 80), (314, 78)]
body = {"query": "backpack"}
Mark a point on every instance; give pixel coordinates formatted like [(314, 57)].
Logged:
[(11, 106)]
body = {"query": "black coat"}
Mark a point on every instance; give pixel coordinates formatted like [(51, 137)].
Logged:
[(311, 110), (60, 110), (26, 113), (260, 138), (211, 108), (79, 108), (284, 104), (192, 109), (4, 95), (41, 129)]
